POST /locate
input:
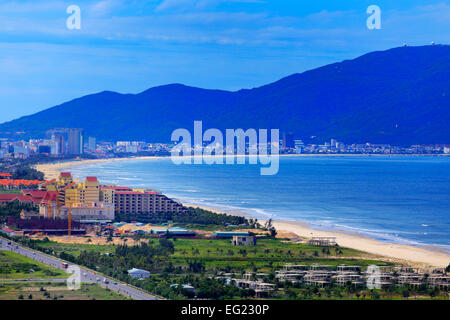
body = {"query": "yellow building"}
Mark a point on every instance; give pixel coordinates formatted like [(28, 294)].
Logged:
[(64, 179), (82, 198), (90, 190), (71, 192)]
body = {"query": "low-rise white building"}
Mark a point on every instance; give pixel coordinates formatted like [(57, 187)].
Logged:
[(138, 273)]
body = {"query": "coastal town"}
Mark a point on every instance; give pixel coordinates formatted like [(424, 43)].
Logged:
[(65, 142), (179, 252)]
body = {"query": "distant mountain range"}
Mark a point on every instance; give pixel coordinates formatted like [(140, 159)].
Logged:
[(399, 96)]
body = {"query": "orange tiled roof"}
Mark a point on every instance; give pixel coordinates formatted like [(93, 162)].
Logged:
[(19, 182), (5, 174)]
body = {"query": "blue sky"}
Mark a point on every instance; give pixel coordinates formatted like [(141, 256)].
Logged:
[(131, 45)]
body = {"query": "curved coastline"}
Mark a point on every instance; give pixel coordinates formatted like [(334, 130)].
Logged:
[(409, 254)]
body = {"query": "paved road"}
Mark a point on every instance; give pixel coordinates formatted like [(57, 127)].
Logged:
[(87, 276)]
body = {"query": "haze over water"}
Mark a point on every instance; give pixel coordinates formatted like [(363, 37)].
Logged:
[(403, 199)]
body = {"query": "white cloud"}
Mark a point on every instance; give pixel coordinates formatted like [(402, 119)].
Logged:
[(32, 6), (174, 4), (167, 5), (104, 7)]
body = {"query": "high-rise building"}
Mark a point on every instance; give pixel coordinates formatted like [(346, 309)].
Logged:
[(288, 141), (299, 146), (92, 144), (333, 143), (75, 141), (58, 143)]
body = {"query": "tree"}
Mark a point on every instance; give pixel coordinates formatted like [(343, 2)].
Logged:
[(273, 232), (405, 293)]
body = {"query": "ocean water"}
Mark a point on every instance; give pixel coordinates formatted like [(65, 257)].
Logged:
[(402, 199)]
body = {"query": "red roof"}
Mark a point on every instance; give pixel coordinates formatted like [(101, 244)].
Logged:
[(5, 174), (136, 192), (91, 178), (128, 192), (19, 182), (116, 188), (37, 194), (50, 196), (65, 174), (7, 230), (4, 198)]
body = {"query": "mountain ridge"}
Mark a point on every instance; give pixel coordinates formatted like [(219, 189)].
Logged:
[(398, 96)]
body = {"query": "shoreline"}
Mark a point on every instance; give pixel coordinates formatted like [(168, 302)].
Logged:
[(420, 256), (51, 170)]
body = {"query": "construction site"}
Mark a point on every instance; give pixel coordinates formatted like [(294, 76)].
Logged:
[(66, 206)]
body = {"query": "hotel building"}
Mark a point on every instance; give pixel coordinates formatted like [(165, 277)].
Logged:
[(130, 201), (82, 199)]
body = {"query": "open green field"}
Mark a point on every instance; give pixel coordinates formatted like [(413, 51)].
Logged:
[(220, 253), (75, 249), (56, 291), (16, 266), (266, 254)]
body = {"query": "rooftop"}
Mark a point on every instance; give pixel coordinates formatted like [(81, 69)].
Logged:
[(137, 270)]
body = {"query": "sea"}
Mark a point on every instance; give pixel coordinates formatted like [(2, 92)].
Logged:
[(400, 199)]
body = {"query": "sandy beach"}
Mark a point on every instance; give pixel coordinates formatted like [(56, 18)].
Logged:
[(407, 254), (52, 170)]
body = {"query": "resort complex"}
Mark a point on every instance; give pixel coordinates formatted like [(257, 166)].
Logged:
[(148, 241), (65, 199)]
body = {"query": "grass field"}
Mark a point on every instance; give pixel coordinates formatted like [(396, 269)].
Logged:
[(16, 266), (220, 253), (267, 253), (56, 291), (75, 249)]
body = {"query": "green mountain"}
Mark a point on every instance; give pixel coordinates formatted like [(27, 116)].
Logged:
[(399, 96)]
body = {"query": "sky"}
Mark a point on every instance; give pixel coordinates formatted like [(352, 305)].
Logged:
[(129, 46)]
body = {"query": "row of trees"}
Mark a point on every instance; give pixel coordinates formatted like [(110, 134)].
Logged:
[(14, 209), (27, 173), (192, 216)]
